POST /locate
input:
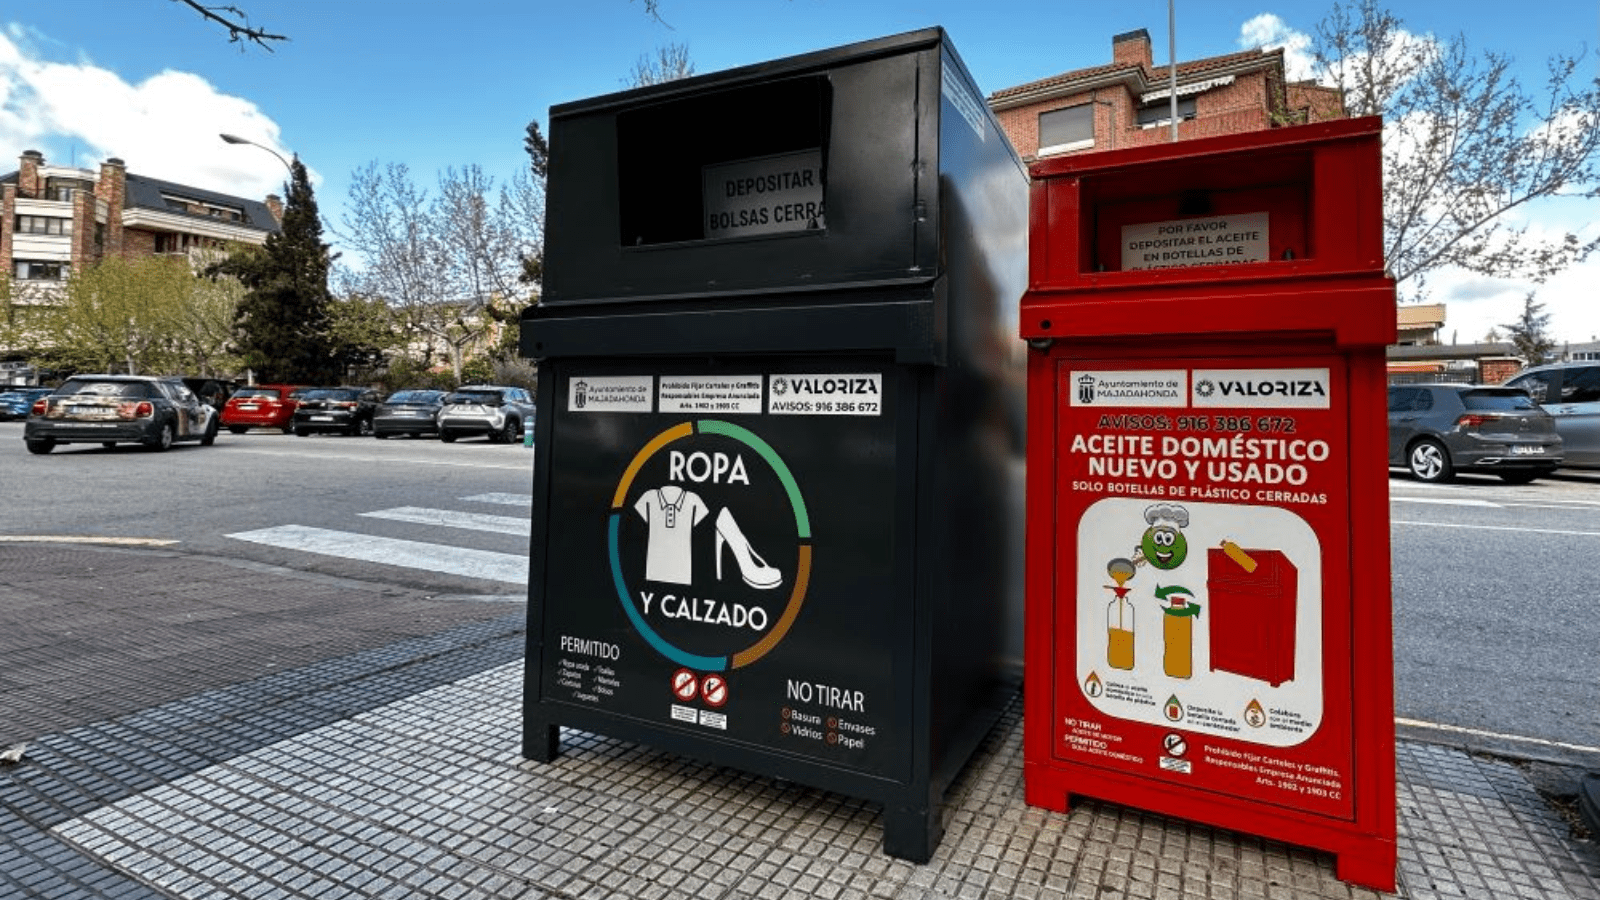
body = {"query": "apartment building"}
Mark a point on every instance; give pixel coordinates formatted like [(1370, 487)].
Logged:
[(54, 219), (1128, 102)]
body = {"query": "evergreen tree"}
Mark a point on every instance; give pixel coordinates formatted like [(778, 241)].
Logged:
[(1528, 335), (283, 327)]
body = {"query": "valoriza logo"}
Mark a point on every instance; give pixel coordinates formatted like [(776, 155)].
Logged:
[(1262, 388)]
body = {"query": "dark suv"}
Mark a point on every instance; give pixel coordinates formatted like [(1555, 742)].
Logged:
[(494, 410), (347, 410), (1570, 391), (1436, 430)]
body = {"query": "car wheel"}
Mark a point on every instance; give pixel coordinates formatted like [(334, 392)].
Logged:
[(238, 429), (363, 427), (302, 432), (41, 445), (1429, 461), (287, 430), (447, 436), (163, 440), (1521, 476), (210, 437)]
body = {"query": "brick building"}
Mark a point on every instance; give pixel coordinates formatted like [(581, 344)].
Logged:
[(54, 219), (1128, 102)]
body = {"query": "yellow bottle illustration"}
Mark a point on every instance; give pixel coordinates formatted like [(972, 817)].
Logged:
[(1119, 617), (1177, 630)]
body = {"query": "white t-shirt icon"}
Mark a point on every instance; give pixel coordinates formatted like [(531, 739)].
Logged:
[(672, 513)]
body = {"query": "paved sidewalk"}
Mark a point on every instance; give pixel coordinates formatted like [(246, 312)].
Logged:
[(393, 770)]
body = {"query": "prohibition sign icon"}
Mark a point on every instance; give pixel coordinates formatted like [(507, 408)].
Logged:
[(715, 690), (1174, 744), (802, 520), (684, 685)]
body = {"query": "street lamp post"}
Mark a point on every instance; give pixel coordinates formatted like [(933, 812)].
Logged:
[(235, 139)]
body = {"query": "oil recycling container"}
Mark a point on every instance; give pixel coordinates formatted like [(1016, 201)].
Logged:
[(1208, 556), (777, 506)]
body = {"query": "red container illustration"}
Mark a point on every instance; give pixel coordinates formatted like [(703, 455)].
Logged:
[(1253, 596)]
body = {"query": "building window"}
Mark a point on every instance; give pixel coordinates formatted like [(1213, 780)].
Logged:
[(43, 225), (62, 189), (38, 270), (1153, 115), (1061, 130)]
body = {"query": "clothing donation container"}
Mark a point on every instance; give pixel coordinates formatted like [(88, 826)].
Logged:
[(777, 506), (1208, 544)]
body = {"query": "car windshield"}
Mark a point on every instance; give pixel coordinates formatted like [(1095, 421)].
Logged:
[(413, 397), (128, 389), (1497, 400), (331, 394), (482, 398), (255, 394)]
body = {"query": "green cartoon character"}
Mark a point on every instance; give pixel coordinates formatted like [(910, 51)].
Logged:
[(1163, 544)]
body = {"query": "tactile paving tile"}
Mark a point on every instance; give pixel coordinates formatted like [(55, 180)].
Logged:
[(430, 792)]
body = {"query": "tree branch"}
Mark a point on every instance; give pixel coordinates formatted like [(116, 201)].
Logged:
[(238, 26)]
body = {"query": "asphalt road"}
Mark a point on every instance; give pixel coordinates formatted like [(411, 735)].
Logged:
[(1497, 610), (1496, 603)]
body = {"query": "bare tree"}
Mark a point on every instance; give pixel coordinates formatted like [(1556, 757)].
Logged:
[(237, 21), (1464, 146), (670, 63), (449, 264)]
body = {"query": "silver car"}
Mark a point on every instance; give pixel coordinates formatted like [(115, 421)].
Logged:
[(496, 411), (1569, 391), (1437, 430)]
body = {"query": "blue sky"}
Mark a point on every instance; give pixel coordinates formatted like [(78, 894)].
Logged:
[(437, 84)]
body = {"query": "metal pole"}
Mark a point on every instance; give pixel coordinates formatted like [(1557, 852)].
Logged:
[(235, 139), (1172, 64)]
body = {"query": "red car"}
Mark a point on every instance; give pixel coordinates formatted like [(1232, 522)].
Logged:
[(260, 406)]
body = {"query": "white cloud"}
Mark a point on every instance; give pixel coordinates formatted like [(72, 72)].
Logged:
[(165, 126), (1269, 32)]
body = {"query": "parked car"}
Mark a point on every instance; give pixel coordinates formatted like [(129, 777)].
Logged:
[(413, 412), (1437, 430), (494, 410), (112, 409), (260, 406), (15, 402), (1570, 391), (347, 410)]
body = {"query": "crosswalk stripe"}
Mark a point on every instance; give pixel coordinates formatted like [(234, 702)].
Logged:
[(448, 518), (502, 499), (506, 567)]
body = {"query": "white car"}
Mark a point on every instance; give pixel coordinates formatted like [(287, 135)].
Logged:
[(496, 411)]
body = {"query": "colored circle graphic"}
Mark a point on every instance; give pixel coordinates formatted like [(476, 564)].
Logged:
[(802, 578)]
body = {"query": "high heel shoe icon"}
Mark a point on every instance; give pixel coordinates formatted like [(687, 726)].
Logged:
[(755, 570)]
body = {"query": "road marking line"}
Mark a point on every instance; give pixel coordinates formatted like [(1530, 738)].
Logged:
[(447, 518), (506, 567), (1496, 528), (502, 499), (1458, 729), (525, 466), (83, 539), (1444, 501)]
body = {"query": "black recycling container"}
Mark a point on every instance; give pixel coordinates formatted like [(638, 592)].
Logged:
[(777, 503)]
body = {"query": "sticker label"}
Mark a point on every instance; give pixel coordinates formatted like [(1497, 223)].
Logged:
[(768, 195), (611, 393), (857, 394), (1261, 388), (1212, 241), (1164, 387), (720, 394)]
